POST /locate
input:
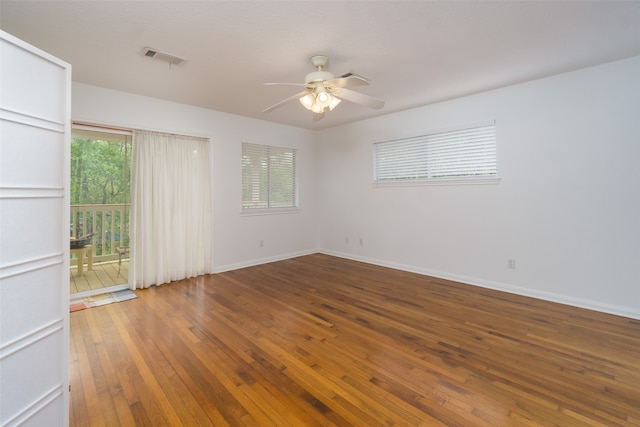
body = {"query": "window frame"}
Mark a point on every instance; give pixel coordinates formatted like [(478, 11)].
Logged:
[(422, 142), (270, 209)]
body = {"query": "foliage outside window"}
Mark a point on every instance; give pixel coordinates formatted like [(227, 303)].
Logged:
[(461, 154), (100, 171), (268, 177)]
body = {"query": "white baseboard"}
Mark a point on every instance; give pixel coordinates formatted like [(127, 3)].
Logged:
[(253, 262), (629, 312)]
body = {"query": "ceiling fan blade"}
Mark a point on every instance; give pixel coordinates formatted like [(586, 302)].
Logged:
[(318, 116), (359, 98), (285, 84), (285, 101), (348, 79)]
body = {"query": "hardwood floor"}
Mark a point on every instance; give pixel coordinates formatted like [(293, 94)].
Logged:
[(318, 340)]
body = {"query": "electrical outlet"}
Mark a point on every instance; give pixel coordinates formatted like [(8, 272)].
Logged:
[(361, 241), (346, 239), (261, 243), (511, 263)]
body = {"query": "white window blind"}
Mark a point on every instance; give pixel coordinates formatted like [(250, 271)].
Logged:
[(452, 155), (268, 177)]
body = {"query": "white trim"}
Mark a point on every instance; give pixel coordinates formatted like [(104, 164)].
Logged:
[(269, 211), (33, 51), (106, 126), (31, 120), (36, 406), (101, 129), (504, 287), (30, 338), (31, 264), (251, 263), (32, 192), (102, 134), (437, 181)]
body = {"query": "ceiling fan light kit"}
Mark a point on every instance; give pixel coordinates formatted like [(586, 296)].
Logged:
[(307, 101), (324, 90), (323, 99)]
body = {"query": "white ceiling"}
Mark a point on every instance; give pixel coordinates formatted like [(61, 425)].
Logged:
[(415, 52)]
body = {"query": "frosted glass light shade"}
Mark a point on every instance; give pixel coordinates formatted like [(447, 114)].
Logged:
[(307, 101), (323, 99)]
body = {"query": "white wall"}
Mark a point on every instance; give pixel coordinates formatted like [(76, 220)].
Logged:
[(567, 207), (236, 238)]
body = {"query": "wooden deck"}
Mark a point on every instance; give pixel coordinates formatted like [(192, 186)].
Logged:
[(322, 341), (103, 275)]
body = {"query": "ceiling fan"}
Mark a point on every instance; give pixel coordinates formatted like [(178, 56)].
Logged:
[(324, 90)]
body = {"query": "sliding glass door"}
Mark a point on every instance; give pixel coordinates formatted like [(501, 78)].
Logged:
[(100, 206)]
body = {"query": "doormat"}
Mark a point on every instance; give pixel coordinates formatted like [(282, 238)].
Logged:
[(104, 299)]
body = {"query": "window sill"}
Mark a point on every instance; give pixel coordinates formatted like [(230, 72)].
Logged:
[(444, 181), (269, 211)]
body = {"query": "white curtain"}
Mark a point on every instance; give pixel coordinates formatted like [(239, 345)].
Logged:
[(170, 208)]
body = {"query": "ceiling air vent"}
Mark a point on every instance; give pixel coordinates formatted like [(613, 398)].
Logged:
[(163, 56)]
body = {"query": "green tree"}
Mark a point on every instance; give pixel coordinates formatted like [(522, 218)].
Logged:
[(100, 171)]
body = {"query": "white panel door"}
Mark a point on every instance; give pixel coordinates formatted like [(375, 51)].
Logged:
[(34, 236)]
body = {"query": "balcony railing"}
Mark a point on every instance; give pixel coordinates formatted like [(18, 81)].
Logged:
[(109, 225)]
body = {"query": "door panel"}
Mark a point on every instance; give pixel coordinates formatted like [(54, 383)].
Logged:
[(40, 215), (39, 170), (21, 301), (34, 236), (33, 82)]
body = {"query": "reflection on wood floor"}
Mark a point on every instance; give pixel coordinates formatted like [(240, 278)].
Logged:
[(103, 275), (323, 341)]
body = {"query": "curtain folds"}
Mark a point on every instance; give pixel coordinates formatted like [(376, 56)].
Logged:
[(170, 208)]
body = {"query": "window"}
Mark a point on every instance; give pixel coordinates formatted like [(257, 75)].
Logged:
[(462, 154), (268, 177)]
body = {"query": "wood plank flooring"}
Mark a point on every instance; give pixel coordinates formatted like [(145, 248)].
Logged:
[(322, 341), (103, 275)]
